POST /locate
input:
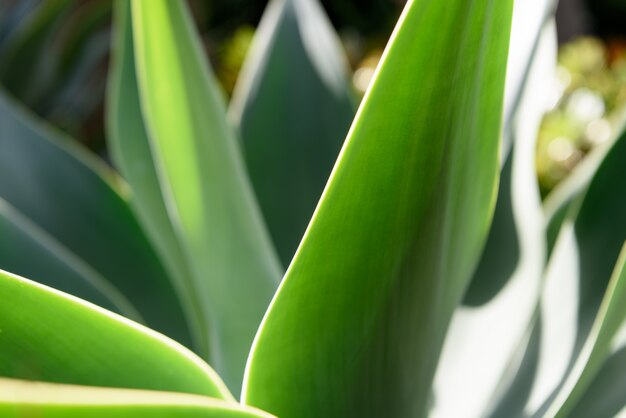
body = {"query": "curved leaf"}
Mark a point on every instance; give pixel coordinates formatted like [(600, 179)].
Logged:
[(359, 320), (584, 254), (59, 338), (500, 305), (63, 191), (293, 106), (611, 316), (203, 181), (45, 400)]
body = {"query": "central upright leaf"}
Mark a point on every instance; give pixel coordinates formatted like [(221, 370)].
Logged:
[(200, 177), (359, 320)]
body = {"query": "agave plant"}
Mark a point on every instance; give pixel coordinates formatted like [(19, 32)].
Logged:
[(430, 281)]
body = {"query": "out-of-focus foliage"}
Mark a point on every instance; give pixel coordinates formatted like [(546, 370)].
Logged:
[(588, 94), (53, 57)]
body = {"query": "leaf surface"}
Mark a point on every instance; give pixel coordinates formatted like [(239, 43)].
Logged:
[(585, 252), (293, 106), (54, 337), (481, 345), (130, 147), (359, 320), (55, 266), (69, 195), (203, 181), (602, 337), (45, 400)]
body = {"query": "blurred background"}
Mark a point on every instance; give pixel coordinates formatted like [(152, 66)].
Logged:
[(58, 53)]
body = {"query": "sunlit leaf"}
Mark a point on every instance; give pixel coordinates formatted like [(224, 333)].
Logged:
[(130, 148), (44, 400), (51, 336), (359, 320), (203, 181)]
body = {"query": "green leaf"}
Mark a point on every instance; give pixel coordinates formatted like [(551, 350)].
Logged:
[(203, 181), (358, 323), (480, 345), (293, 106), (611, 316), (51, 336), (45, 400), (130, 147), (64, 192)]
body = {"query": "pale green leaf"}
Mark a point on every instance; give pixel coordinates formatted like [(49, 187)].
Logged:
[(44, 400), (130, 147), (203, 181), (359, 320)]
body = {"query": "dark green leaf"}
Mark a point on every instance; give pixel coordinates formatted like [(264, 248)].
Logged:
[(55, 266), (293, 105), (63, 191)]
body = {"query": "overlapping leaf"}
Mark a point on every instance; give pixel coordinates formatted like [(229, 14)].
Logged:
[(358, 323), (130, 148), (44, 400), (602, 337), (52, 185), (584, 254), (51, 336), (499, 308), (26, 248), (293, 106), (201, 180)]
